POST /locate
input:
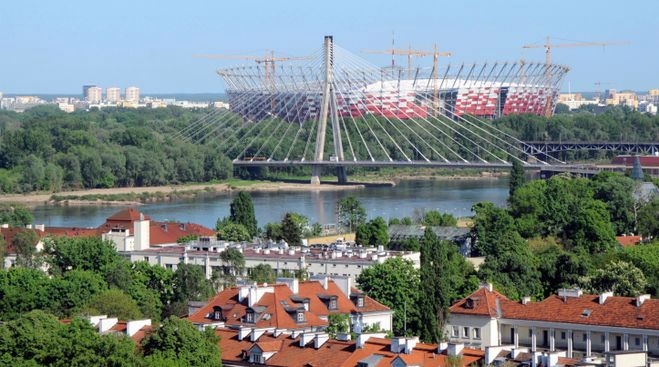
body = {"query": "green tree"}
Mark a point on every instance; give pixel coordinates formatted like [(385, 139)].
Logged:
[(273, 231), (395, 284), (234, 262), (178, 340), (83, 253), (242, 212), (262, 273), (615, 190), (590, 228), (646, 258), (490, 225), (234, 232), (291, 228), (350, 212), (517, 178), (648, 219), (621, 277), (15, 215), (435, 218), (338, 323), (189, 283), (25, 245), (114, 303), (373, 233)]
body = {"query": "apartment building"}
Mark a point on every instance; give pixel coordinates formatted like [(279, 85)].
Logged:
[(581, 325), (291, 306)]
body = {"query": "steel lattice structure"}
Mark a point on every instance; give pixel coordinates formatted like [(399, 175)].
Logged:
[(336, 103)]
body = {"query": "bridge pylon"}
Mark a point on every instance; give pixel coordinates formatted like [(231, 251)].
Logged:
[(328, 108)]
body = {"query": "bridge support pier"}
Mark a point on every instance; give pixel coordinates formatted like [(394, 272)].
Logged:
[(342, 175), (315, 175)]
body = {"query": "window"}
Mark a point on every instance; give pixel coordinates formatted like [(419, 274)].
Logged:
[(465, 332), (477, 333), (602, 338), (562, 335), (217, 315), (637, 341), (299, 317), (168, 266), (455, 331), (250, 317), (146, 258), (332, 304), (584, 336), (530, 333), (256, 358), (346, 265), (360, 302)]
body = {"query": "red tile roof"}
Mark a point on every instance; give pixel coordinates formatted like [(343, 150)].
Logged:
[(233, 311), (332, 353), (170, 232), (614, 312), (627, 241), (8, 235), (127, 215)]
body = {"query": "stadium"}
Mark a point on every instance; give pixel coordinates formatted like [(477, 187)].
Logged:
[(292, 90)]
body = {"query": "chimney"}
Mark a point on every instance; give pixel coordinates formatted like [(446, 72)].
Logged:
[(603, 296), (536, 359), (344, 284), (642, 298), (141, 232), (256, 334), (40, 227), (570, 292), (107, 324), (361, 340), (94, 320), (292, 283), (252, 298), (132, 327), (243, 332), (441, 347), (243, 291), (344, 337), (410, 343), (320, 340), (526, 300), (306, 338), (487, 286), (552, 359), (397, 344), (455, 349)]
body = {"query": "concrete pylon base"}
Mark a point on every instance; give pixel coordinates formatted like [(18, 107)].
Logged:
[(342, 175), (315, 175)]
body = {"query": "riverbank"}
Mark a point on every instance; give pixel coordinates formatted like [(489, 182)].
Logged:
[(140, 195)]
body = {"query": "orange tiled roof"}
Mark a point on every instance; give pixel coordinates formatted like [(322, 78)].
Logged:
[(614, 312), (333, 352), (233, 311), (127, 215), (8, 235), (627, 241)]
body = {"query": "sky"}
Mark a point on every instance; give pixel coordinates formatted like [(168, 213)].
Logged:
[(57, 46)]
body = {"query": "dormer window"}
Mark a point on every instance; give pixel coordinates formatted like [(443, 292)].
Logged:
[(299, 316), (332, 304), (360, 302), (249, 316), (217, 313)]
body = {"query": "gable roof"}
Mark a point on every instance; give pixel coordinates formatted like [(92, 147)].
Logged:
[(614, 312), (127, 215), (482, 302), (628, 241)]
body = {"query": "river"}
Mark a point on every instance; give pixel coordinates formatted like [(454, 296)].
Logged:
[(451, 196)]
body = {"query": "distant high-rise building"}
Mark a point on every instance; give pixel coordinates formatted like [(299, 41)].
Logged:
[(92, 93), (132, 94), (113, 94), (1, 95)]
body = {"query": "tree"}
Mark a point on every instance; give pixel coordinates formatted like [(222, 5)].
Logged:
[(15, 215), (590, 228), (646, 258), (621, 277), (291, 228), (234, 260), (350, 212), (114, 303), (338, 323), (25, 243), (178, 340), (490, 225), (242, 212), (373, 233), (395, 284), (189, 283), (262, 273), (648, 219), (517, 178), (234, 232), (435, 218), (273, 231), (615, 190), (84, 253)]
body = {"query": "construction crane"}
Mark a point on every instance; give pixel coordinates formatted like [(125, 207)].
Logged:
[(548, 47), (268, 62), (409, 53)]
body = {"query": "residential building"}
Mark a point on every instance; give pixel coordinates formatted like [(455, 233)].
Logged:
[(66, 107), (113, 94), (273, 348), (92, 93), (132, 94), (284, 260), (654, 92), (8, 233), (578, 325), (134, 329), (292, 306), (629, 99)]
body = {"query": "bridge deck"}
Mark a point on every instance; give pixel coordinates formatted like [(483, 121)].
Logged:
[(421, 164)]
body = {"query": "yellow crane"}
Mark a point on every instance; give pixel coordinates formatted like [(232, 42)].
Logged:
[(410, 53), (548, 46)]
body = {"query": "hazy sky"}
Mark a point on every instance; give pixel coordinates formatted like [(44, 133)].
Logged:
[(53, 46)]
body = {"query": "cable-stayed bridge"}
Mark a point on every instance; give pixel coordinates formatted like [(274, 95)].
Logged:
[(334, 109)]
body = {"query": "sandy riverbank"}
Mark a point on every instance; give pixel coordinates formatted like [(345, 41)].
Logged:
[(166, 192)]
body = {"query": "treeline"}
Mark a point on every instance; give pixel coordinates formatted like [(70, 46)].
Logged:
[(47, 149)]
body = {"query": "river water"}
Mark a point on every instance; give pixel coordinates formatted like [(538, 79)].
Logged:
[(452, 196)]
